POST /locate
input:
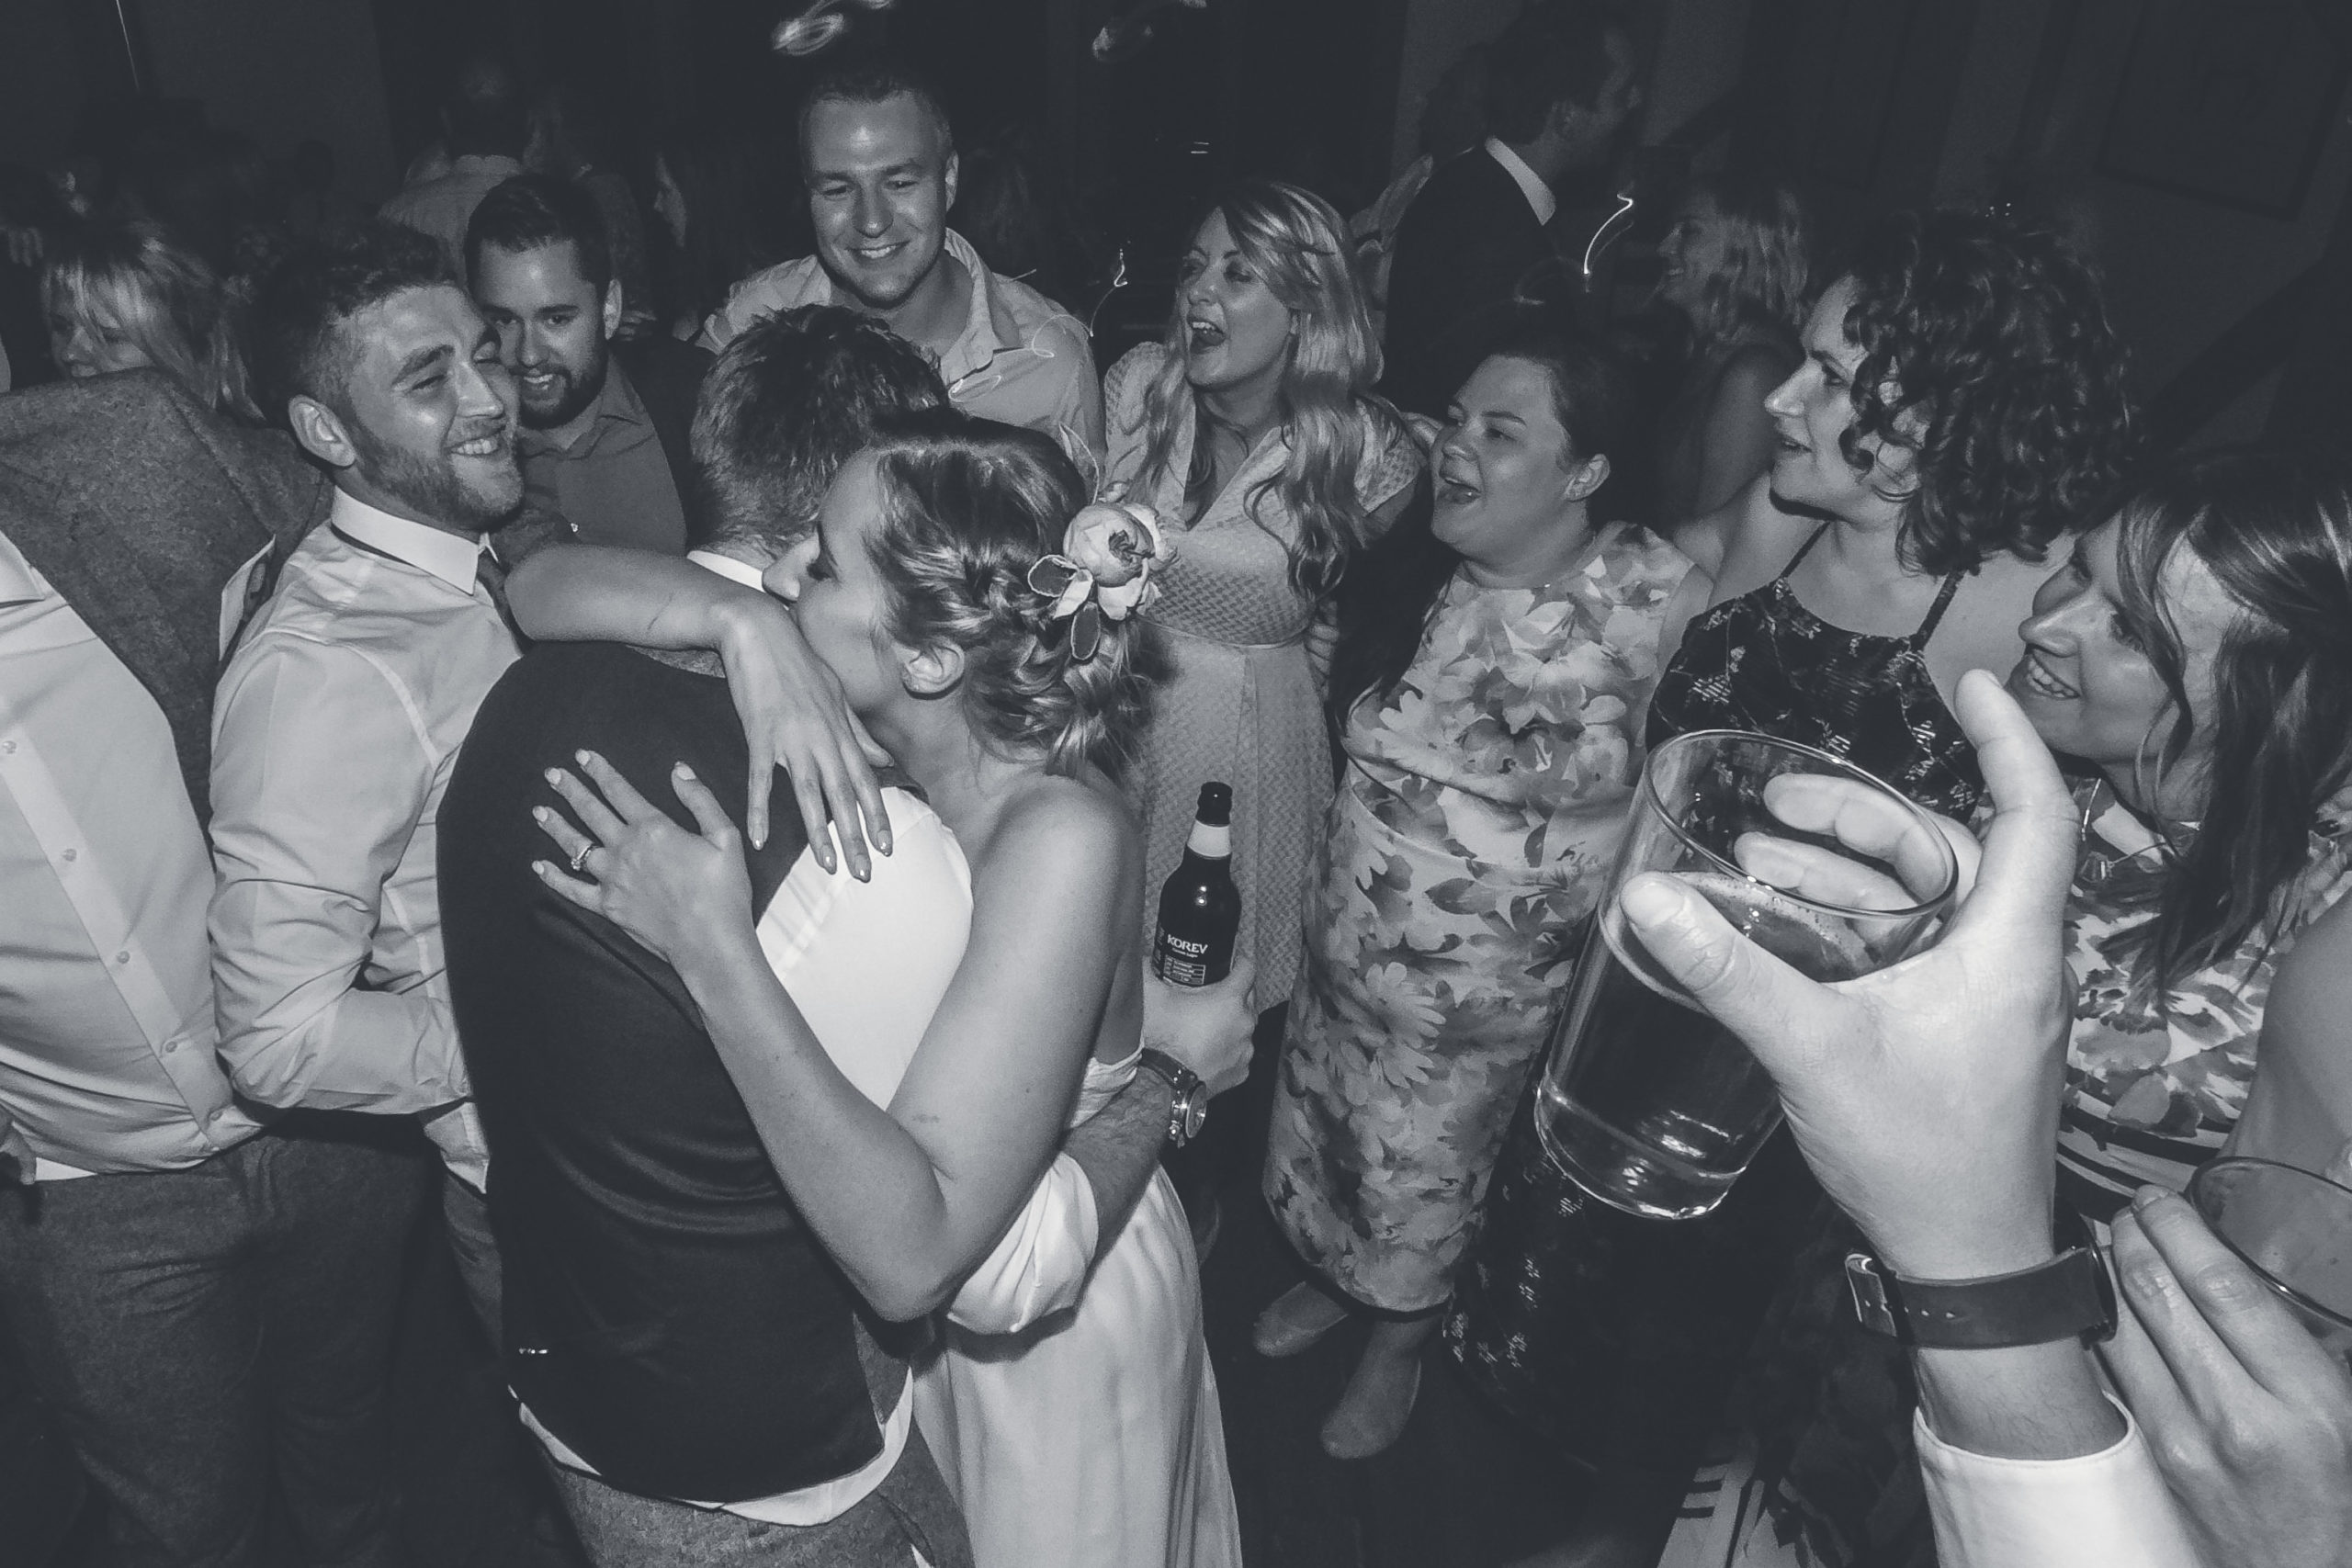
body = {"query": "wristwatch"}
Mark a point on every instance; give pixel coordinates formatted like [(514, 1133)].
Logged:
[(2067, 1297), (1190, 1107)]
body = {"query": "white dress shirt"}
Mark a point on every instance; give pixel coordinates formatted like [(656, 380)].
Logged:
[(337, 723), (1530, 185), (107, 1023), (1021, 358), (2110, 1509)]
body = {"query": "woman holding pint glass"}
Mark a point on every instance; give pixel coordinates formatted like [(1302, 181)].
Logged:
[(2193, 656), (1498, 651), (1960, 407)]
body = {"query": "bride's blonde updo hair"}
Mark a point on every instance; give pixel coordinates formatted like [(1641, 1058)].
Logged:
[(968, 507)]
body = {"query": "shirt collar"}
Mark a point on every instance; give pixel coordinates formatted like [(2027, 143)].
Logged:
[(728, 566), (616, 403), (988, 328), (452, 557), (1531, 184), (500, 164), (18, 583)]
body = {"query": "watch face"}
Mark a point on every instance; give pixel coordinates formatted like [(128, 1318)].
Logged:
[(1196, 1115)]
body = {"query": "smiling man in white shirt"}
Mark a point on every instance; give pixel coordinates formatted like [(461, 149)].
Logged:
[(340, 714), (879, 158)]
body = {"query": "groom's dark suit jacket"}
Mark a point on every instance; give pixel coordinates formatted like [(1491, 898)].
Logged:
[(668, 1316)]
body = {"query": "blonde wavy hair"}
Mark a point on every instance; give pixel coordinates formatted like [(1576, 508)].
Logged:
[(968, 508), (1766, 272), (1297, 243), (131, 282)]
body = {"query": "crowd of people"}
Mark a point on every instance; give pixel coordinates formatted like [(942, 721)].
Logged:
[(533, 705)]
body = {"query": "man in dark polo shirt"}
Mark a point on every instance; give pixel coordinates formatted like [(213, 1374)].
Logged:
[(605, 423)]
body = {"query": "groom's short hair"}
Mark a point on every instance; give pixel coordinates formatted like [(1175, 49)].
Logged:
[(787, 403)]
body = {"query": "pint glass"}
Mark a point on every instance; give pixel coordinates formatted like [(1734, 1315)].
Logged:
[(2292, 1228), (1649, 1104)]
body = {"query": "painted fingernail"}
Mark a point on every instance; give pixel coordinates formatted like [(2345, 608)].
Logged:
[(541, 867), (581, 757), (555, 776), (540, 814), (684, 771)]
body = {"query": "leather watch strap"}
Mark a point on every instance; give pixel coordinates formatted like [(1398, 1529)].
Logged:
[(2067, 1297)]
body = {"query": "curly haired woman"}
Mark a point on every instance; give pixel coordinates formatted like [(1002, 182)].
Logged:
[(2191, 659), (1960, 408)]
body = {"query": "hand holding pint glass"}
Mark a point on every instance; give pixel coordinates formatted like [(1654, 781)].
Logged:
[(1648, 1103)]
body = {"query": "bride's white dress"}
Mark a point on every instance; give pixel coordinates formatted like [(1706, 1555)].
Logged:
[(1091, 1438), (1073, 1413)]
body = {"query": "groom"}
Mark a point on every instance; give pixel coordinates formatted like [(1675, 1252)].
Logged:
[(706, 1385)]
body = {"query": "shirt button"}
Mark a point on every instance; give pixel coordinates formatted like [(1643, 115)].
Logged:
[(68, 855), (170, 1046), (123, 957), (7, 748)]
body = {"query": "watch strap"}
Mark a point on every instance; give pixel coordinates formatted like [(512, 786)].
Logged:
[(1182, 1078), (2069, 1296)]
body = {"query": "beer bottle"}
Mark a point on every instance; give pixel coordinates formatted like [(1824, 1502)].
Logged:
[(1200, 908)]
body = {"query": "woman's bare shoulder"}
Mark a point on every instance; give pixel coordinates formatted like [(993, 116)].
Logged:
[(1746, 542), (1060, 822)]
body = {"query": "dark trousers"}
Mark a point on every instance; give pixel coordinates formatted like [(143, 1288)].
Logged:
[(201, 1332), (910, 1512)]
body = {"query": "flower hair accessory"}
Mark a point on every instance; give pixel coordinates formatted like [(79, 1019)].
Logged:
[(1105, 568)]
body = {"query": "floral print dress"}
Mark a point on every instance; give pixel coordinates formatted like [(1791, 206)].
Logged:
[(2154, 1085), (1481, 811)]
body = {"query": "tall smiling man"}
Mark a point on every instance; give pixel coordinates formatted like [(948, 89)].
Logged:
[(339, 714), (879, 158)]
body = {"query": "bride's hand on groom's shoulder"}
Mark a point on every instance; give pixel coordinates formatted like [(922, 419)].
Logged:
[(1207, 1028), (796, 718), (676, 892)]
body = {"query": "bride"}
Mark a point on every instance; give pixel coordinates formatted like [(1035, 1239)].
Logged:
[(1004, 678)]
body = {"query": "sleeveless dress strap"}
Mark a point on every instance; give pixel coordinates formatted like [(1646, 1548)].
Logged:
[(1935, 611), (1804, 551)]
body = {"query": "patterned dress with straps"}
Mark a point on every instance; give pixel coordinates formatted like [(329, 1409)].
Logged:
[(1619, 1337), (1763, 661)]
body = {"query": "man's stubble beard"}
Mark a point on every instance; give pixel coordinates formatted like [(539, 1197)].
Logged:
[(434, 492)]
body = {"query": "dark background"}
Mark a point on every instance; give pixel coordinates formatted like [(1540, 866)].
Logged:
[(2197, 149)]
